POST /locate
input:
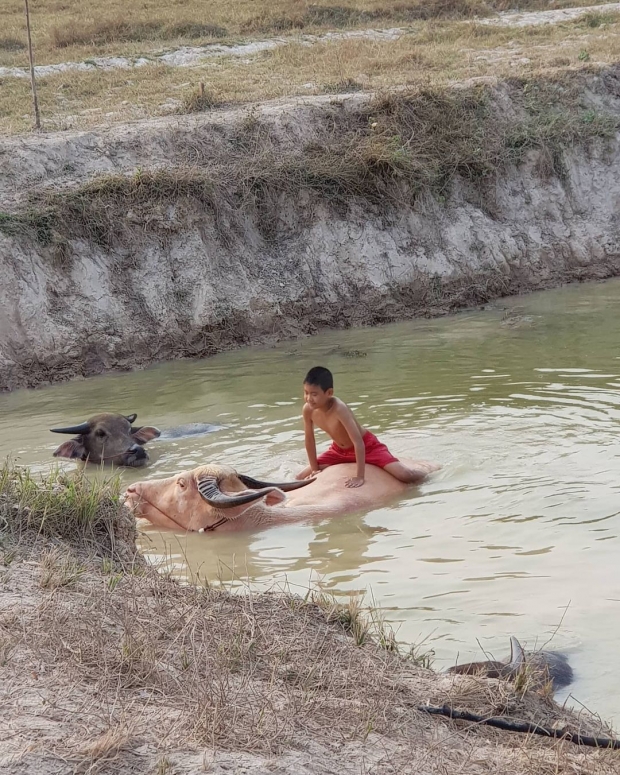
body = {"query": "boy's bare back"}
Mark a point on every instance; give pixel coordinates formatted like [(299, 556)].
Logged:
[(337, 420)]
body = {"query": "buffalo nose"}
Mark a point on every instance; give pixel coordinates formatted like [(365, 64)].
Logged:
[(137, 450)]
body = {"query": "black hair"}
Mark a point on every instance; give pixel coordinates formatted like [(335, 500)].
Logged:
[(321, 377)]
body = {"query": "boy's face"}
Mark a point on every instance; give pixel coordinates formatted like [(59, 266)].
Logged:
[(315, 396)]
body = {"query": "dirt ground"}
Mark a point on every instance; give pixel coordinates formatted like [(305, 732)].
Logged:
[(106, 666)]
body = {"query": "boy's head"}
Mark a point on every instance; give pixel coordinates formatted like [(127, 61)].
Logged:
[(318, 386)]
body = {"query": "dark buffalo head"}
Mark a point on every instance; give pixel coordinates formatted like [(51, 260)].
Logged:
[(538, 668), (108, 438)]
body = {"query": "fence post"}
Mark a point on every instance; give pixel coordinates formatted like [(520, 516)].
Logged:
[(35, 101)]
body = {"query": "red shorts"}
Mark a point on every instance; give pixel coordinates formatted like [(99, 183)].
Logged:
[(377, 454)]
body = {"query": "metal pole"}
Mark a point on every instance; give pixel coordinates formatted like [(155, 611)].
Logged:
[(35, 101)]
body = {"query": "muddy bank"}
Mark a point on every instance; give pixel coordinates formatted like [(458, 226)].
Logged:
[(185, 236), (107, 666)]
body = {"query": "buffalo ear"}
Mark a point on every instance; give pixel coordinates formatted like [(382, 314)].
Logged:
[(274, 498), (71, 449), (144, 434)]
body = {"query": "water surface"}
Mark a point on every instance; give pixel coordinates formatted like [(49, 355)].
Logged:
[(517, 535)]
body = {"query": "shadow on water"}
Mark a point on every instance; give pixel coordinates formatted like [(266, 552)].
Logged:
[(517, 533)]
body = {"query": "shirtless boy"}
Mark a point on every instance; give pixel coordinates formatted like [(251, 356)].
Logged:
[(351, 442)]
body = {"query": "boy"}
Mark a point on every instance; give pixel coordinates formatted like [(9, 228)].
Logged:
[(351, 442)]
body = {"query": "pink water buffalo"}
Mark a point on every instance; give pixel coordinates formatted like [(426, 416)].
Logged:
[(216, 497)]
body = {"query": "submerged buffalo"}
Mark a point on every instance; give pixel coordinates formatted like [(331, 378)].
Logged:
[(112, 438), (216, 497), (538, 668), (108, 438)]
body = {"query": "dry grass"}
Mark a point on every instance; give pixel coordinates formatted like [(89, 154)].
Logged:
[(198, 101), (120, 31), (65, 29), (434, 55), (12, 44), (239, 672), (59, 569), (173, 668), (381, 153)]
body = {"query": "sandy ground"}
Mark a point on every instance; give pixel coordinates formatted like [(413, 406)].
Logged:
[(112, 669)]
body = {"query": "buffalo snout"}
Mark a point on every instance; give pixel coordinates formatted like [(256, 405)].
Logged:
[(135, 457), (131, 496)]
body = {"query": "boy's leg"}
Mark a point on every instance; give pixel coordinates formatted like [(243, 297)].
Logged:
[(409, 474)]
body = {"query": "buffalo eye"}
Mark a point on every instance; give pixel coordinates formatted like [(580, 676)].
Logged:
[(182, 483), (101, 434)]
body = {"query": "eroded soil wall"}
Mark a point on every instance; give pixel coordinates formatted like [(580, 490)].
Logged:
[(185, 236)]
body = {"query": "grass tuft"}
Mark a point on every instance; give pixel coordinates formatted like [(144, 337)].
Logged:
[(345, 86), (111, 31), (367, 625), (12, 44), (59, 569), (317, 15), (198, 101), (35, 223), (84, 513), (595, 19)]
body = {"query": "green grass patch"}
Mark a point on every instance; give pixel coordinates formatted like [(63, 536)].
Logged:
[(73, 509)]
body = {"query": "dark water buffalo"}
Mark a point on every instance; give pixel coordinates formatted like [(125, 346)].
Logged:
[(189, 429), (538, 668), (112, 438), (108, 438)]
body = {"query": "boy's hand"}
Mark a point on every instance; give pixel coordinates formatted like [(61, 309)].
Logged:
[(312, 474), (354, 481)]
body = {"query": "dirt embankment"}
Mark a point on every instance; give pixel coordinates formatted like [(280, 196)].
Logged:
[(185, 236), (108, 667)]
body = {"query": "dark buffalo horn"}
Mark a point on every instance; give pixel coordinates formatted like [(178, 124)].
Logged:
[(254, 484), (77, 429), (209, 488), (131, 418)]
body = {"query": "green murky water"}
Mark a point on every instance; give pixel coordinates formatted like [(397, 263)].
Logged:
[(518, 534)]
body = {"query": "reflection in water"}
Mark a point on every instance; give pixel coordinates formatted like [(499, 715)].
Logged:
[(517, 534)]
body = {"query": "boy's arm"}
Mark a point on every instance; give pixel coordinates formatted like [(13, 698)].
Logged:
[(352, 428), (309, 439)]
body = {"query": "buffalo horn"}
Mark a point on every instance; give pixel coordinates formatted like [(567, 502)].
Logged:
[(209, 488), (83, 428), (517, 655), (255, 484), (131, 418)]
